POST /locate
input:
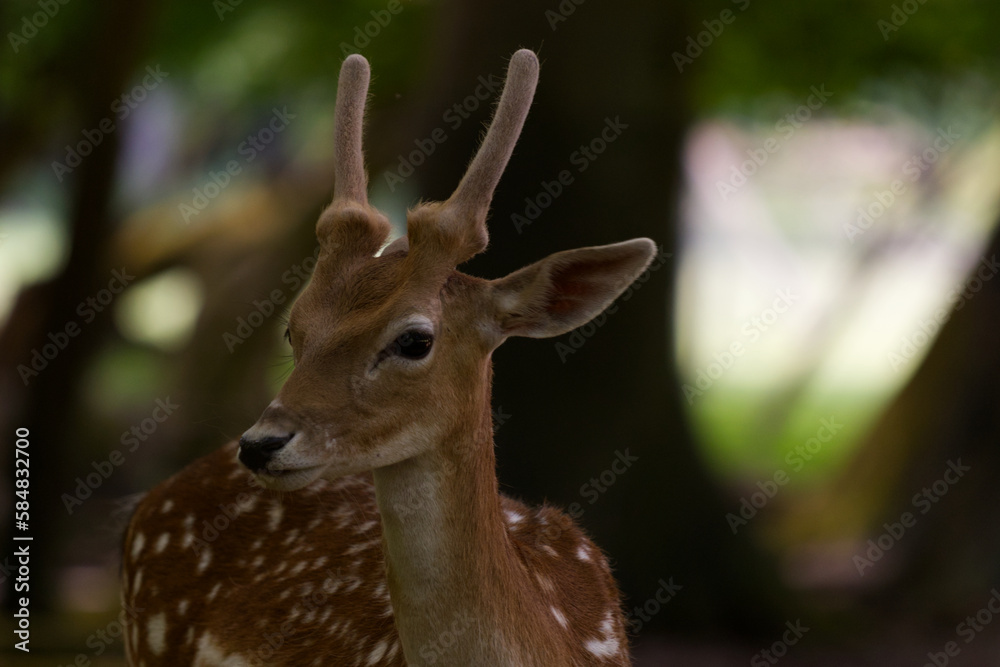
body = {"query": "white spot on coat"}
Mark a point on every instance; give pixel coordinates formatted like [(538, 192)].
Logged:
[(607, 624), (393, 650), (137, 544), (215, 591), (377, 652), (602, 648), (365, 527), (274, 516), (137, 582), (206, 558), (156, 633)]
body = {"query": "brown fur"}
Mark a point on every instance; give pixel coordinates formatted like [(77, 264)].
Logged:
[(336, 609), (393, 544)]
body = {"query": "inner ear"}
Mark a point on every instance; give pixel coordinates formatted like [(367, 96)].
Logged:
[(574, 284), (567, 289)]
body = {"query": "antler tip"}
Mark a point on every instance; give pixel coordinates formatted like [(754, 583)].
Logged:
[(524, 59), (354, 65)]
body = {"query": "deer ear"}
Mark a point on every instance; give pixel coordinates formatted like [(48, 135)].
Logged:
[(567, 289)]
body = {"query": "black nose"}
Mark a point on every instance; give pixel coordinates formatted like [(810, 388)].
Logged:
[(255, 454)]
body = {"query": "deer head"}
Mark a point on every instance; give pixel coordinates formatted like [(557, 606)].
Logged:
[(392, 352)]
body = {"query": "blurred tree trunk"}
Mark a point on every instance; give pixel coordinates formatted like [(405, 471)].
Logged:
[(44, 407), (948, 412), (565, 410)]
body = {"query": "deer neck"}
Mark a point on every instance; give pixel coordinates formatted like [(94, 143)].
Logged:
[(458, 589)]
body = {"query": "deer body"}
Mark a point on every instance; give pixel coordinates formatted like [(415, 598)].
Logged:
[(359, 521)]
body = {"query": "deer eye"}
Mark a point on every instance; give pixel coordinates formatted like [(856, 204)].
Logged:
[(288, 335), (413, 344)]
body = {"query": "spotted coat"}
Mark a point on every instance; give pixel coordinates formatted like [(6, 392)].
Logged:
[(247, 576)]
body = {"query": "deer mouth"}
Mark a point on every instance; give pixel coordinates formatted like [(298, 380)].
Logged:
[(289, 479)]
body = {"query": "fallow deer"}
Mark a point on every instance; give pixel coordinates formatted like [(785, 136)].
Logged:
[(359, 521)]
